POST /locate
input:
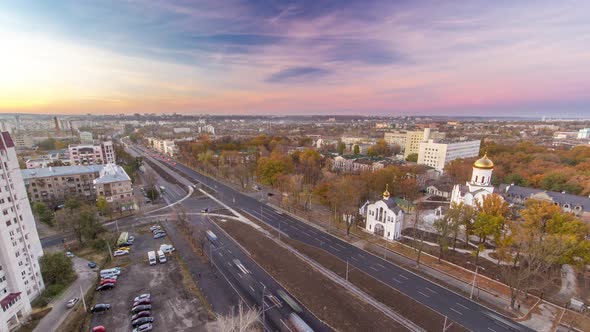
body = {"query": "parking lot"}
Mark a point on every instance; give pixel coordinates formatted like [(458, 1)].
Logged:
[(174, 308)]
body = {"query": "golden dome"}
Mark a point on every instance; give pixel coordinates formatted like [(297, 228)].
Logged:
[(386, 192), (484, 163)]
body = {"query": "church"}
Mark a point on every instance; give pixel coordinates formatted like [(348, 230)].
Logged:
[(384, 217), (480, 185)]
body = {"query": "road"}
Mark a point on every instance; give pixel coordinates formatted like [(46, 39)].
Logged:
[(86, 279), (458, 308)]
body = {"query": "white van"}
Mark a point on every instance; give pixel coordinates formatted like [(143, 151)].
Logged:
[(161, 257), (110, 272), (167, 248), (152, 257)]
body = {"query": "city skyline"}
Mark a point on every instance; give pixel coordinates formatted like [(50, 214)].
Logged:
[(332, 57)]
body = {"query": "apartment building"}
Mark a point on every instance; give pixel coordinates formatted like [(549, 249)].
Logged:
[(409, 141), (92, 154), (20, 248), (437, 153), (55, 185), (115, 185), (164, 146)]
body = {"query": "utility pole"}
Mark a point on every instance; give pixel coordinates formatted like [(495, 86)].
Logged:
[(473, 284), (263, 289), (445, 326), (109, 248), (279, 231), (347, 270), (82, 296)]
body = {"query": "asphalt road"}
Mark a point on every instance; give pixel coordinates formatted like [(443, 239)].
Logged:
[(458, 308)]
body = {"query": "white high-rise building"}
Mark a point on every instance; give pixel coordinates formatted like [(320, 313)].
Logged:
[(20, 248), (437, 153), (92, 154)]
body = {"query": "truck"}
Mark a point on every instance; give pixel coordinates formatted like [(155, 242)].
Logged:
[(152, 257), (161, 257)]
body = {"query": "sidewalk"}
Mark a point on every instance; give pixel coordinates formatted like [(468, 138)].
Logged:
[(86, 279)]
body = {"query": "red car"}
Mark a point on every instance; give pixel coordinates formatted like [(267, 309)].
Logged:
[(107, 281), (99, 329)]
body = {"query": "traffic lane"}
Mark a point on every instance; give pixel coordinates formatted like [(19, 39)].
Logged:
[(260, 275), (479, 316)]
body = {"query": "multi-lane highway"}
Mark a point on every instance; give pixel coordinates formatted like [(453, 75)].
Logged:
[(458, 308)]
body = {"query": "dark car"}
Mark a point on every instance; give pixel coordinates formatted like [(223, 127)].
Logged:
[(100, 307), (91, 265), (142, 320), (145, 313), (125, 244), (142, 302), (139, 308), (105, 287)]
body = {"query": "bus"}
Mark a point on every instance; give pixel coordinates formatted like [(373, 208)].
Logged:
[(123, 238), (298, 323), (211, 236)]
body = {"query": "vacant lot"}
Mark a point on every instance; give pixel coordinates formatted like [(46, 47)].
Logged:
[(330, 302), (174, 307)]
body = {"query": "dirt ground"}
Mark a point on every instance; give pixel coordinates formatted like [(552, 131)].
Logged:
[(327, 300), (174, 308)]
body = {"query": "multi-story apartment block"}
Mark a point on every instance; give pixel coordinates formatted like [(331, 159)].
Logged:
[(115, 185), (437, 153), (20, 248), (165, 146), (92, 154), (409, 141), (54, 185)]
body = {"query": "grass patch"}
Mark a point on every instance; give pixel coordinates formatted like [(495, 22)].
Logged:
[(49, 293), (34, 319), (189, 284)]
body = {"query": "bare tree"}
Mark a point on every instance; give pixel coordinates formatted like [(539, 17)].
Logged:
[(242, 320), (417, 232)]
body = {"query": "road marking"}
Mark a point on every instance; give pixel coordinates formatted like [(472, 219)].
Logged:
[(341, 246), (221, 254), (334, 248), (325, 238), (491, 329), (229, 251), (306, 233), (263, 286), (423, 294), (228, 264), (403, 276), (457, 311), (240, 275), (430, 290), (372, 268), (381, 265), (396, 280), (251, 288), (354, 258), (462, 306)]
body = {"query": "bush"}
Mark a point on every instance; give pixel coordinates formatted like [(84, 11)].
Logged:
[(49, 294), (56, 269)]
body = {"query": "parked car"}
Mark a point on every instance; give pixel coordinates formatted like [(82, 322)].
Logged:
[(156, 231), (143, 296), (99, 328), (105, 287), (72, 302), (91, 265), (167, 248), (121, 253), (125, 244), (70, 254), (142, 320), (100, 307), (113, 277), (124, 248), (139, 308), (131, 239), (152, 228), (143, 328), (159, 235), (142, 302), (145, 313), (107, 281)]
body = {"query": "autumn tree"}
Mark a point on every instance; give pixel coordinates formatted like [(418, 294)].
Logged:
[(412, 157), (380, 148), (270, 168)]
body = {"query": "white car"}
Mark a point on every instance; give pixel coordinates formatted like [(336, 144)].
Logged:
[(70, 254), (143, 328), (120, 253), (142, 296), (153, 228), (167, 248), (71, 303)]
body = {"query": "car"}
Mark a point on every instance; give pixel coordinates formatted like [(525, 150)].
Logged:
[(72, 302), (131, 239), (107, 281), (289, 300), (142, 296), (241, 266), (274, 300), (152, 228), (142, 302), (124, 248), (145, 313), (147, 201), (121, 253), (70, 254), (143, 328), (142, 320), (99, 328), (159, 235), (158, 231), (139, 308), (100, 307), (167, 248), (106, 286), (111, 277), (125, 244)]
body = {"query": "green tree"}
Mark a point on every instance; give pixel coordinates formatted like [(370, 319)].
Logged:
[(444, 227), (341, 148), (356, 149), (412, 157), (44, 214), (90, 226), (72, 204), (270, 168), (56, 268), (102, 205)]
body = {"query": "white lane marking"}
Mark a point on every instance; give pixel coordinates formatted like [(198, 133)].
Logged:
[(251, 288), (423, 294), (491, 329), (335, 248), (354, 259), (306, 233), (403, 276), (228, 264), (462, 306), (396, 280), (263, 286), (228, 250), (240, 275), (457, 311), (341, 246), (221, 254), (372, 268), (381, 265), (325, 238), (430, 290), (360, 255)]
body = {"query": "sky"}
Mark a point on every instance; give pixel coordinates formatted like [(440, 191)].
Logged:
[(382, 57)]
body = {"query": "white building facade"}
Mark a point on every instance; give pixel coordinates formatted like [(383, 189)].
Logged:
[(438, 154), (20, 247), (92, 154), (479, 187), (384, 217)]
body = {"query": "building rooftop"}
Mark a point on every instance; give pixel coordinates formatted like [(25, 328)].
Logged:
[(59, 171), (112, 173)]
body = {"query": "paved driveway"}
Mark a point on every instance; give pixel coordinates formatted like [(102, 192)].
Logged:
[(86, 279)]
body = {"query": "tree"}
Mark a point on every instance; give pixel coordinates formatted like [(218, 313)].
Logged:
[(412, 157), (345, 199), (90, 227), (72, 204), (43, 213), (244, 320), (102, 205), (380, 148), (444, 227), (56, 268), (341, 148), (270, 168)]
